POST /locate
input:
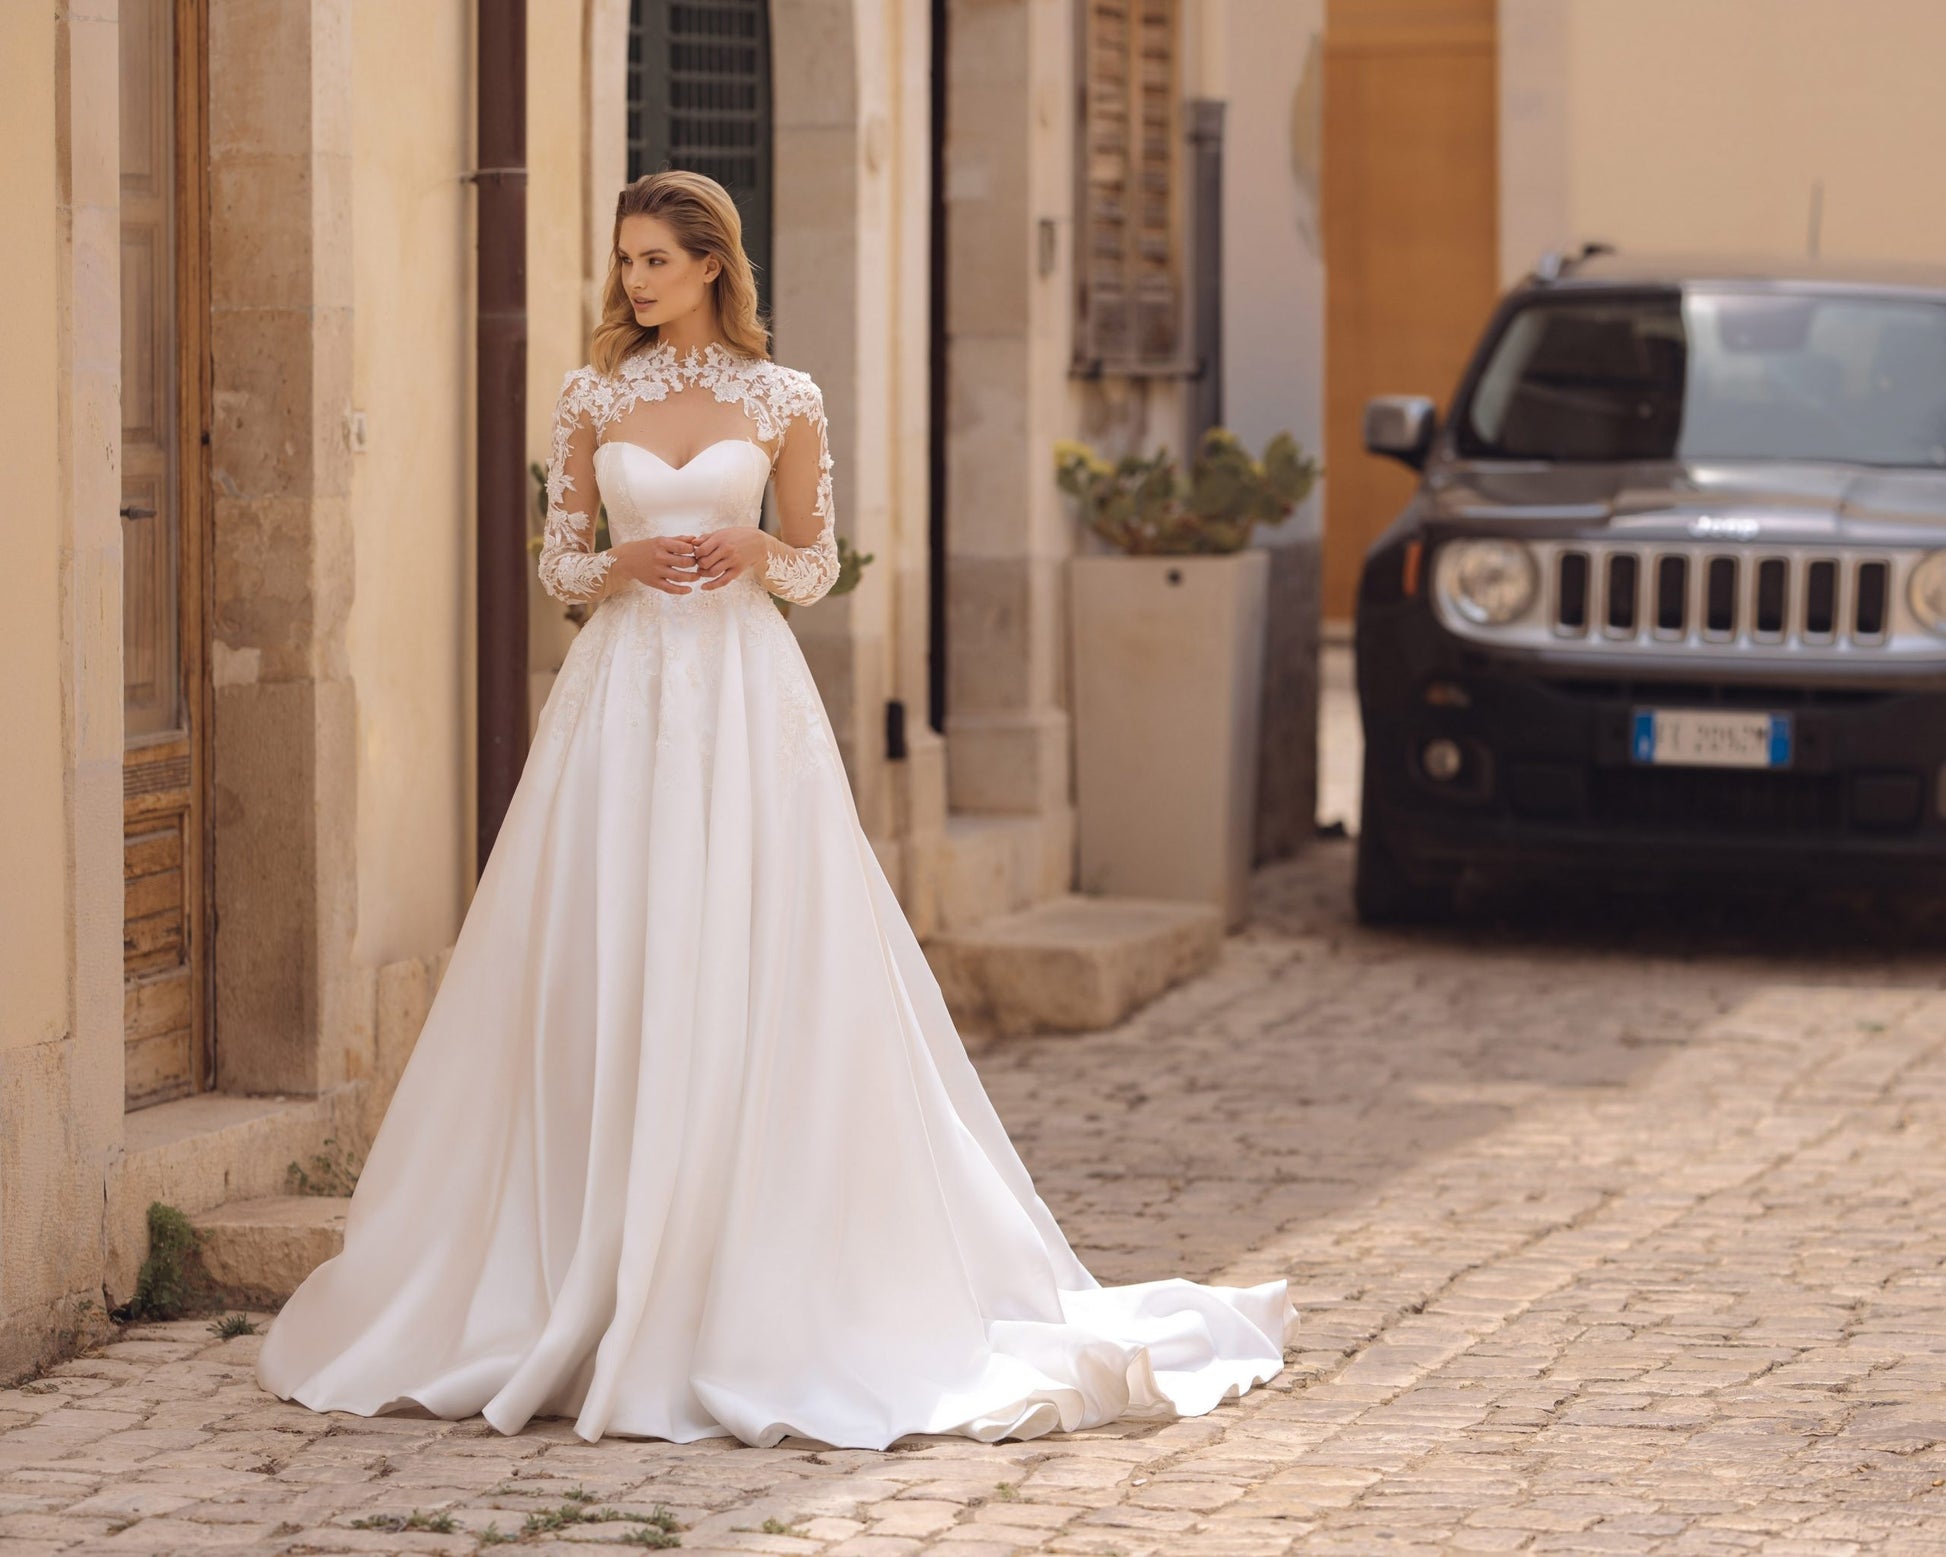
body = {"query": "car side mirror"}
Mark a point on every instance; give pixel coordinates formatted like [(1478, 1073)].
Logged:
[(1401, 427)]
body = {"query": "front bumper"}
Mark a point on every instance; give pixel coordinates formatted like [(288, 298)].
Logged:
[(1547, 781)]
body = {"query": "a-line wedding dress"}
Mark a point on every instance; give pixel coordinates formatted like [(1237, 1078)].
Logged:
[(689, 1145)]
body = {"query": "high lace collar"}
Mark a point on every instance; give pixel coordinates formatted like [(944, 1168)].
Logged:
[(662, 358)]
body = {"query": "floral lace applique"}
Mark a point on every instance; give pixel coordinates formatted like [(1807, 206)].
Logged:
[(804, 726), (806, 738), (773, 396), (571, 569)]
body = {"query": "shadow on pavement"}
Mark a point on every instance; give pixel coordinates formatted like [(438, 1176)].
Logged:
[(1321, 1058)]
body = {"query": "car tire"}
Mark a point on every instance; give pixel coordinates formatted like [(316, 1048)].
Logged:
[(1381, 891)]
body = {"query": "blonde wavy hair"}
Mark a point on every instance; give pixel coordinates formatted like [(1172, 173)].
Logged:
[(706, 222)]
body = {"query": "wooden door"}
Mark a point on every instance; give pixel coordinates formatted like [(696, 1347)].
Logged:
[(165, 944), (1411, 237)]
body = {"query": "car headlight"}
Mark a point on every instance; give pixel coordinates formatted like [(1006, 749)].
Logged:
[(1927, 591), (1488, 582)]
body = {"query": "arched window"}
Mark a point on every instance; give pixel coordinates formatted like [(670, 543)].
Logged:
[(699, 98)]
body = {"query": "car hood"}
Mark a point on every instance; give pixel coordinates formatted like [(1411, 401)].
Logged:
[(1781, 499)]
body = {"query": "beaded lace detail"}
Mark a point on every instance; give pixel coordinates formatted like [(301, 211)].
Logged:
[(773, 396)]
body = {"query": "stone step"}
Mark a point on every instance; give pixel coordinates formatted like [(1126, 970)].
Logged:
[(1072, 963), (197, 1152), (989, 865), (258, 1250)]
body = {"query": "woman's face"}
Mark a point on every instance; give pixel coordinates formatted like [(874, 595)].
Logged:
[(662, 280)]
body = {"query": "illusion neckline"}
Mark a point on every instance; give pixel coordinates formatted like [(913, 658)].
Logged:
[(628, 443), (663, 355)]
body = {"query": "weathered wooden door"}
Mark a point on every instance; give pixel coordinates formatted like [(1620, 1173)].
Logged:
[(164, 396), (1411, 236)]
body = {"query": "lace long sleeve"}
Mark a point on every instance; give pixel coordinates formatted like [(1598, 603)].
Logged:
[(571, 569), (803, 562)]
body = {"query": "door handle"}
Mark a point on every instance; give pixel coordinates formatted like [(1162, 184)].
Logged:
[(137, 511)]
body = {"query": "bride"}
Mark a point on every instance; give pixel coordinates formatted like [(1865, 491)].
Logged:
[(688, 1146)]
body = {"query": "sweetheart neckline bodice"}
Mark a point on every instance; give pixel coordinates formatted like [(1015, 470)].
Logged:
[(626, 443)]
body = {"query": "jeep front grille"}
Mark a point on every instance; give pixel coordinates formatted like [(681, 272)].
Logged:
[(1711, 599), (1716, 596)]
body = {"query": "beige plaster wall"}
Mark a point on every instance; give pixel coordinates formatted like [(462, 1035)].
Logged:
[(561, 252), (60, 602), (36, 1035), (1704, 125), (412, 626), (409, 637), (33, 920), (1273, 265)]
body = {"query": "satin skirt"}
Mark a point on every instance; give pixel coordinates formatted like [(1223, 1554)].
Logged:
[(689, 1146)]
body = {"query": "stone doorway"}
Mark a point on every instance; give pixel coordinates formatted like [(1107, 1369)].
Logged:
[(168, 1038)]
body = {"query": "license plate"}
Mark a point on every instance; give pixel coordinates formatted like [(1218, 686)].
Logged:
[(1711, 738)]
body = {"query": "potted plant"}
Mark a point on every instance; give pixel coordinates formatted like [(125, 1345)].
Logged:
[(1166, 653)]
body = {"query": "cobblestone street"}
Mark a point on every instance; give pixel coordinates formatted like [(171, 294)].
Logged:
[(1611, 1233)]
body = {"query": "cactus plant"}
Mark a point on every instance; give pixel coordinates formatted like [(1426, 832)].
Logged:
[(1140, 504)]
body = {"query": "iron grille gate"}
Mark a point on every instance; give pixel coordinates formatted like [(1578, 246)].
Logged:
[(699, 98)]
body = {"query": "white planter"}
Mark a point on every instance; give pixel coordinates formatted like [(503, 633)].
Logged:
[(1167, 662)]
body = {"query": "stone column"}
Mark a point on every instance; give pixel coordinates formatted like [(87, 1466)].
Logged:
[(284, 782), (827, 296), (1007, 340)]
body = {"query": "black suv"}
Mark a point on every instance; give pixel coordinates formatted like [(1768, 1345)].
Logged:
[(1670, 600)]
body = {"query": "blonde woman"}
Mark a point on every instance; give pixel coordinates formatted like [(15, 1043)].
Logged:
[(688, 1146)]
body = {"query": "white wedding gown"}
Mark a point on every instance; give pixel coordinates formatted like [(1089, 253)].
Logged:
[(688, 1145)]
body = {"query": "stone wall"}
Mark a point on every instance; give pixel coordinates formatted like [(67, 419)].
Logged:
[(284, 785), (1664, 125)]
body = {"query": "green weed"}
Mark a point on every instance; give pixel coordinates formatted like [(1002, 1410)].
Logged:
[(333, 1172), (440, 1524), (171, 1278)]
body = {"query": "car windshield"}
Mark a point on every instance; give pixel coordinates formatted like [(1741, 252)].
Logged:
[(1715, 374)]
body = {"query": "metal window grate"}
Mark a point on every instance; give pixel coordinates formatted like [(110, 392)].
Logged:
[(699, 98)]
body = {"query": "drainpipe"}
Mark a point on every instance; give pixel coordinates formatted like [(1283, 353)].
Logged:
[(501, 481), (1206, 264), (936, 380)]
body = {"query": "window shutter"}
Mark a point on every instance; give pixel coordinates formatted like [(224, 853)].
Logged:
[(1128, 270), (699, 98)]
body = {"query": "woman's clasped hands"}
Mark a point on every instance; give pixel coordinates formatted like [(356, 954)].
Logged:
[(679, 564)]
